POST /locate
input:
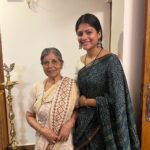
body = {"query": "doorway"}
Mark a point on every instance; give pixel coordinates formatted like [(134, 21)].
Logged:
[(145, 137)]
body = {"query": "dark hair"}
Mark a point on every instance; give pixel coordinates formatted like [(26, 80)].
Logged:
[(53, 50), (90, 19)]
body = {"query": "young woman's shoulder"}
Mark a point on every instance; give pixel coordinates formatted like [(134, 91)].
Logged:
[(105, 52), (111, 55)]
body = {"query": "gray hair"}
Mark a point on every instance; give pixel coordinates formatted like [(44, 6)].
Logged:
[(53, 50)]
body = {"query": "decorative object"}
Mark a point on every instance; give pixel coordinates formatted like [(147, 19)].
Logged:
[(32, 4), (8, 85)]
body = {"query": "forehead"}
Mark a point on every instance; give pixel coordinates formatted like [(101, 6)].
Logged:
[(51, 55), (84, 27)]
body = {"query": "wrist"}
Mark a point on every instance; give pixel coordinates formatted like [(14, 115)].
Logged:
[(85, 102), (71, 123), (39, 128)]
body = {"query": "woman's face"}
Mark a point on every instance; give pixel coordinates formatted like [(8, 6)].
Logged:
[(87, 36), (52, 65)]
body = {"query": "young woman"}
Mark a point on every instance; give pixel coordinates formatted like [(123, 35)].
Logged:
[(106, 118)]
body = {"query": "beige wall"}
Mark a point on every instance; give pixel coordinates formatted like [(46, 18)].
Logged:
[(133, 49), (117, 27)]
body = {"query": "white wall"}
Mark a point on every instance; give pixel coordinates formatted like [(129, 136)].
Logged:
[(26, 32), (133, 49)]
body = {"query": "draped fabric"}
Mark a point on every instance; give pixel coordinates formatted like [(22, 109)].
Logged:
[(111, 124), (53, 108)]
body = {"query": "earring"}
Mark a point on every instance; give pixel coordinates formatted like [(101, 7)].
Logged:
[(99, 44), (80, 46)]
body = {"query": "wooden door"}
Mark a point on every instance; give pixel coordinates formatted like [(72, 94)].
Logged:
[(3, 114), (145, 138)]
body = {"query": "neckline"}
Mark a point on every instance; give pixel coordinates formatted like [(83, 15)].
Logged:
[(98, 58), (93, 61), (45, 82)]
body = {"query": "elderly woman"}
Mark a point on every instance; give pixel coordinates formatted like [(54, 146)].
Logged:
[(52, 105)]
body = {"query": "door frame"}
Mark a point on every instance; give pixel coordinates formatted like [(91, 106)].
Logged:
[(145, 134)]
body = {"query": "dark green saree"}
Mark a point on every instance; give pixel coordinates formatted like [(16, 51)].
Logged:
[(111, 124)]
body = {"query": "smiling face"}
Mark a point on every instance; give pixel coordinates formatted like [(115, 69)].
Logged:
[(87, 36), (52, 65)]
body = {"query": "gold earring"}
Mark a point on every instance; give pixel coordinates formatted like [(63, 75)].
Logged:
[(99, 44)]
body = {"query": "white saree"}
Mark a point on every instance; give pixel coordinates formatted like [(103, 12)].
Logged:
[(53, 108)]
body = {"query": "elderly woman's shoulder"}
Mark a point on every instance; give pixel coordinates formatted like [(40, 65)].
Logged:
[(38, 83)]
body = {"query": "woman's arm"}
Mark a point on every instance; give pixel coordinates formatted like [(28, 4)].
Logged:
[(88, 102), (31, 119), (66, 128), (47, 133)]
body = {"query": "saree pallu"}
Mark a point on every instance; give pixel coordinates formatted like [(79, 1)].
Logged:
[(53, 110), (106, 83)]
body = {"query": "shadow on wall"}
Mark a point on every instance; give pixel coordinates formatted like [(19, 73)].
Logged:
[(120, 46)]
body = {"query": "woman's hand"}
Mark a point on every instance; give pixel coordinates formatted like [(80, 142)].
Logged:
[(49, 134), (66, 128), (88, 102), (82, 101), (65, 131)]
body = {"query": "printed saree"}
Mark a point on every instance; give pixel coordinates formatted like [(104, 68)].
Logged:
[(53, 109), (111, 124)]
